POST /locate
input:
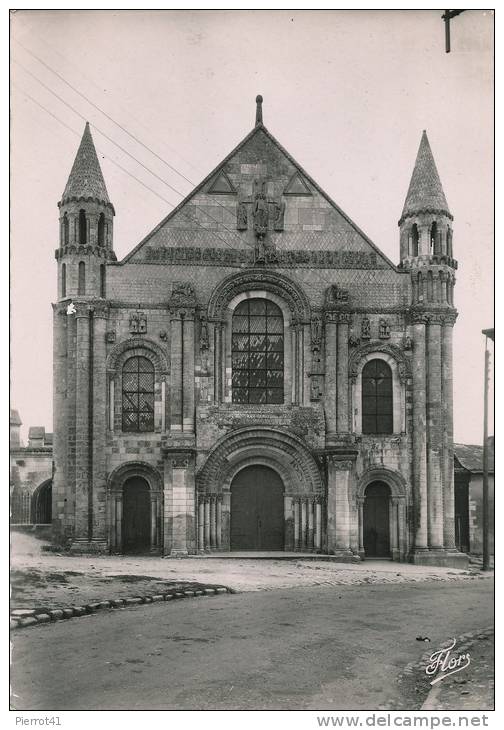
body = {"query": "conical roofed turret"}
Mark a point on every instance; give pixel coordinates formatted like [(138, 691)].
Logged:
[(86, 179), (425, 192)]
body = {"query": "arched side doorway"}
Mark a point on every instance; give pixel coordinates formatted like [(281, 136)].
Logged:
[(382, 499), (135, 509), (136, 517), (42, 504), (376, 521), (257, 510)]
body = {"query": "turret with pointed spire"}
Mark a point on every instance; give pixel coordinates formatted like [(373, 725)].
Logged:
[(426, 232), (86, 217)]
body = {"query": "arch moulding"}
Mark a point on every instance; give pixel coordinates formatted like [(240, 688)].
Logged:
[(259, 279), (122, 473), (392, 479), (378, 348), (137, 346), (278, 449)]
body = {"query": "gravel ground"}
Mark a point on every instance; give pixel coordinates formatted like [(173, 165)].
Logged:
[(62, 579)]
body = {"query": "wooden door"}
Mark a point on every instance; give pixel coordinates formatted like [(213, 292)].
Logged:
[(136, 516), (376, 521), (257, 510)]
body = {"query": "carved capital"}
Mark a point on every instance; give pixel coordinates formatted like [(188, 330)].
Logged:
[(450, 317), (436, 318), (341, 465), (110, 337), (417, 316), (344, 318), (353, 341), (331, 317)]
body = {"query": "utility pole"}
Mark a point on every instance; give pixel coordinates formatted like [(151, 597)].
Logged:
[(448, 15), (486, 526)]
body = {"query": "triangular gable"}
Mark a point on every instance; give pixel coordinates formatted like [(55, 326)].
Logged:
[(297, 186), (179, 218), (222, 185)]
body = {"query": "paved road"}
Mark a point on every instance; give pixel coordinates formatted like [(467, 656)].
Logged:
[(308, 648)]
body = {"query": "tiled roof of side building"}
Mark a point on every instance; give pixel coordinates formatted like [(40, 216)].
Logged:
[(15, 420), (86, 179), (470, 456), (425, 191)]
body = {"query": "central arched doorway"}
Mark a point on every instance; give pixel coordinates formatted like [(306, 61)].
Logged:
[(42, 504), (376, 521), (136, 527), (257, 510)]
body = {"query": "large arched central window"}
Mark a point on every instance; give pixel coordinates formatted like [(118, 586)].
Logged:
[(138, 395), (377, 406), (258, 352)]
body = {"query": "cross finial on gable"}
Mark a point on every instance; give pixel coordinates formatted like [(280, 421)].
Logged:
[(259, 101)]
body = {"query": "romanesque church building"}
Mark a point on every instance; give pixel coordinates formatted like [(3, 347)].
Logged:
[(256, 375)]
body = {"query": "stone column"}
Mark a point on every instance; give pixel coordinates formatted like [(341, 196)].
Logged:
[(448, 478), (288, 524), (188, 371), (304, 364), (360, 507), (435, 435), (310, 523), (303, 521), (59, 421), (176, 390), (226, 520), (419, 432), (201, 523), (342, 373), (71, 408), (213, 522), (83, 479), (318, 524), (330, 372), (207, 522), (180, 502), (338, 506), (99, 396), (218, 519), (296, 524)]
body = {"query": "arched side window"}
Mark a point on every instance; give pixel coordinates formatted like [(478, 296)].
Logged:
[(257, 352), (414, 240), (377, 401), (103, 281), (449, 244), (101, 230), (138, 395), (66, 230), (63, 280), (81, 286), (82, 227), (434, 246)]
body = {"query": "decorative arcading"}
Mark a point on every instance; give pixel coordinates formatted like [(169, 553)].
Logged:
[(403, 363), (84, 250), (137, 346), (252, 279), (274, 444)]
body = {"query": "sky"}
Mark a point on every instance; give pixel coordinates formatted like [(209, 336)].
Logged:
[(347, 93)]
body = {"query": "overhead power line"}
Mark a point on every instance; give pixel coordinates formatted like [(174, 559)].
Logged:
[(123, 149), (127, 172)]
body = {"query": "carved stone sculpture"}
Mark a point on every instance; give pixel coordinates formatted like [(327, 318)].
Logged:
[(242, 216), (365, 329), (383, 330)]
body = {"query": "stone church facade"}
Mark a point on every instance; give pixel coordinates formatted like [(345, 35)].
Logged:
[(255, 375)]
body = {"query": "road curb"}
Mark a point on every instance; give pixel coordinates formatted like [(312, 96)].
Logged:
[(21, 618)]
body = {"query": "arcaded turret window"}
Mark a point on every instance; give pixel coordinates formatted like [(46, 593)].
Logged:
[(433, 239), (414, 240), (81, 285), (66, 230), (103, 290), (258, 352), (377, 406), (82, 227), (138, 395), (101, 230), (63, 280)]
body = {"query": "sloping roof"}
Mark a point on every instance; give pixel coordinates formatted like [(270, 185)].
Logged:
[(15, 420), (470, 456), (259, 128), (425, 191), (36, 432), (86, 179)]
